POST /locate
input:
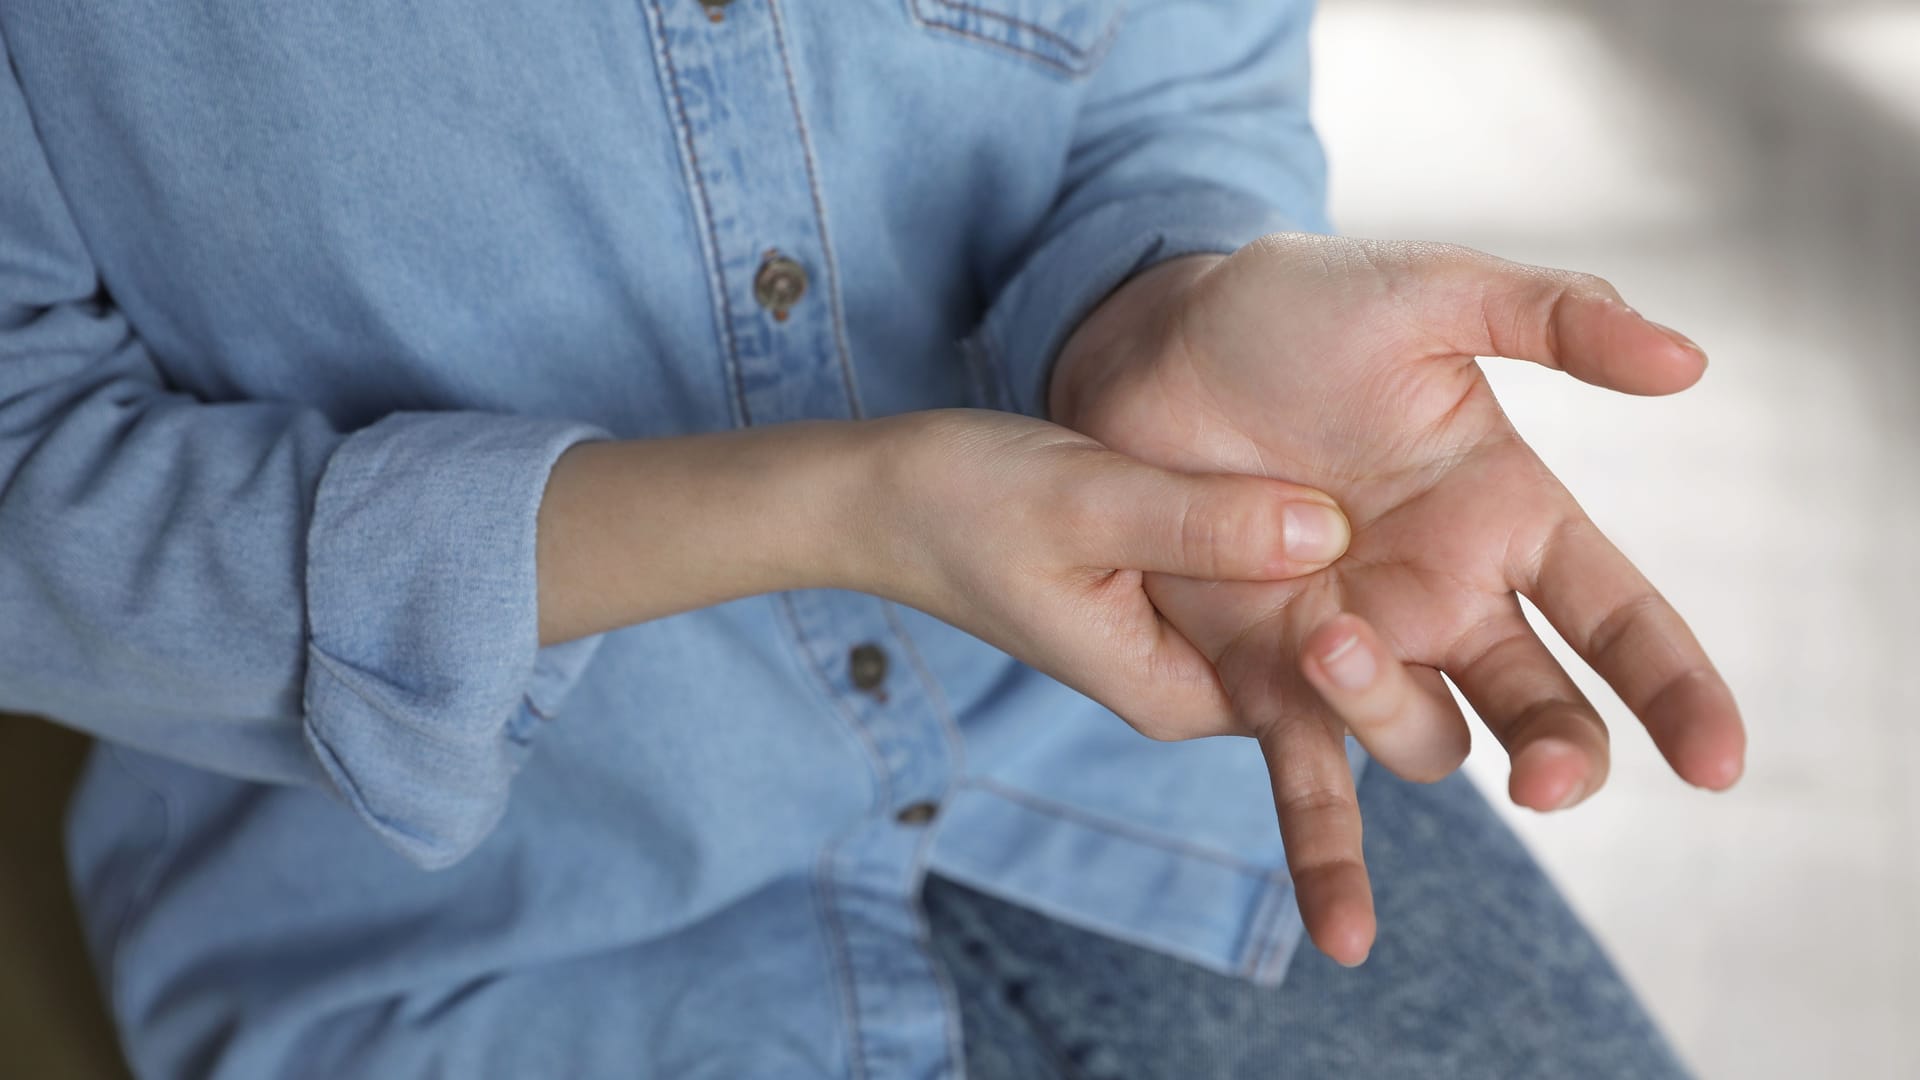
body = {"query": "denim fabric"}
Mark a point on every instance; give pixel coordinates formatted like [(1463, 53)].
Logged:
[(1480, 971), (298, 305)]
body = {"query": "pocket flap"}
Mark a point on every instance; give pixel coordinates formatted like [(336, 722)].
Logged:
[(1069, 36)]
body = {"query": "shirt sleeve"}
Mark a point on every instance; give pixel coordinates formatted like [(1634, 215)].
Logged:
[(1194, 137), (244, 587)]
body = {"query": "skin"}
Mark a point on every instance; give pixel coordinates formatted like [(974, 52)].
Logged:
[(1032, 537), (1350, 366)]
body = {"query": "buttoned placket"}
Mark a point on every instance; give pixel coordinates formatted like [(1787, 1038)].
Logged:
[(726, 69)]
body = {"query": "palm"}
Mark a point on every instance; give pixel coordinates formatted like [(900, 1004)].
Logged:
[(1438, 520), (1375, 398)]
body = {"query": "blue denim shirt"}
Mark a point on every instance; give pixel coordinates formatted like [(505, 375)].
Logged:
[(299, 303)]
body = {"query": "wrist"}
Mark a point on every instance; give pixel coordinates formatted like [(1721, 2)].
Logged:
[(842, 506), (1136, 323), (895, 491), (638, 530)]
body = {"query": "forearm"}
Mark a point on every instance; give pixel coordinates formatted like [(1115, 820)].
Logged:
[(638, 530)]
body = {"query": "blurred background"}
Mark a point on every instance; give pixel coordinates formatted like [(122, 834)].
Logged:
[(1747, 171)]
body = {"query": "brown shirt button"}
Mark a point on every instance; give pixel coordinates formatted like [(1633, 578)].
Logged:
[(779, 284), (867, 667), (918, 813), (716, 9)]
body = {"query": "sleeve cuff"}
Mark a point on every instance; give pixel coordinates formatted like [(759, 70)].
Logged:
[(1068, 275), (425, 679)]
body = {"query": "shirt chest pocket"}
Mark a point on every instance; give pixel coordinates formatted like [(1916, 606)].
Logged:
[(1065, 36)]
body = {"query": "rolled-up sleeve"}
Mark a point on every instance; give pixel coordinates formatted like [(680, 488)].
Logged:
[(1195, 137), (245, 587), (424, 674)]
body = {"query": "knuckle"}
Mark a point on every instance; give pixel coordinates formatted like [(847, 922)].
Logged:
[(1591, 285), (1613, 630), (1531, 721), (1318, 802)]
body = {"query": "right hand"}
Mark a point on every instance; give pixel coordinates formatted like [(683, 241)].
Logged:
[(1037, 540)]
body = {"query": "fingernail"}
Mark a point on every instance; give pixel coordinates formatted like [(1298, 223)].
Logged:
[(1349, 664), (1313, 532), (1678, 338)]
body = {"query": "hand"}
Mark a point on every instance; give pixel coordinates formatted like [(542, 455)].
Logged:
[(1350, 366), (1037, 540), (1030, 536)]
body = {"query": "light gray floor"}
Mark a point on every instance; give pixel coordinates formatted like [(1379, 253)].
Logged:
[(1748, 172)]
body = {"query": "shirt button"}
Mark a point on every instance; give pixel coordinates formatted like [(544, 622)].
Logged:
[(716, 9), (867, 666), (779, 284), (916, 813)]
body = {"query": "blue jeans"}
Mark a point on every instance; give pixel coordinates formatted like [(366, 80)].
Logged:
[(1480, 970)]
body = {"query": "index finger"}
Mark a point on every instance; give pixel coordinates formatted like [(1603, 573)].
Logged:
[(1621, 626)]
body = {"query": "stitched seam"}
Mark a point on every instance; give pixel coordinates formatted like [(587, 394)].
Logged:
[(710, 237), (1005, 46), (1281, 891), (1255, 943), (883, 786), (936, 693), (1084, 59), (956, 750), (823, 880), (341, 678), (1270, 955), (1260, 933), (824, 890), (349, 787), (1117, 930), (1036, 30), (1044, 805), (923, 941), (820, 220)]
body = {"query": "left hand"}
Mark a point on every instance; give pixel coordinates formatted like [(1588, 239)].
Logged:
[(1350, 366)]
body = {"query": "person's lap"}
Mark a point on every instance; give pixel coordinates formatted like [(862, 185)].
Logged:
[(1480, 970)]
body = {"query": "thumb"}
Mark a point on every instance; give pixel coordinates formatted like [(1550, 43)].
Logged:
[(1485, 306), (1217, 527)]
